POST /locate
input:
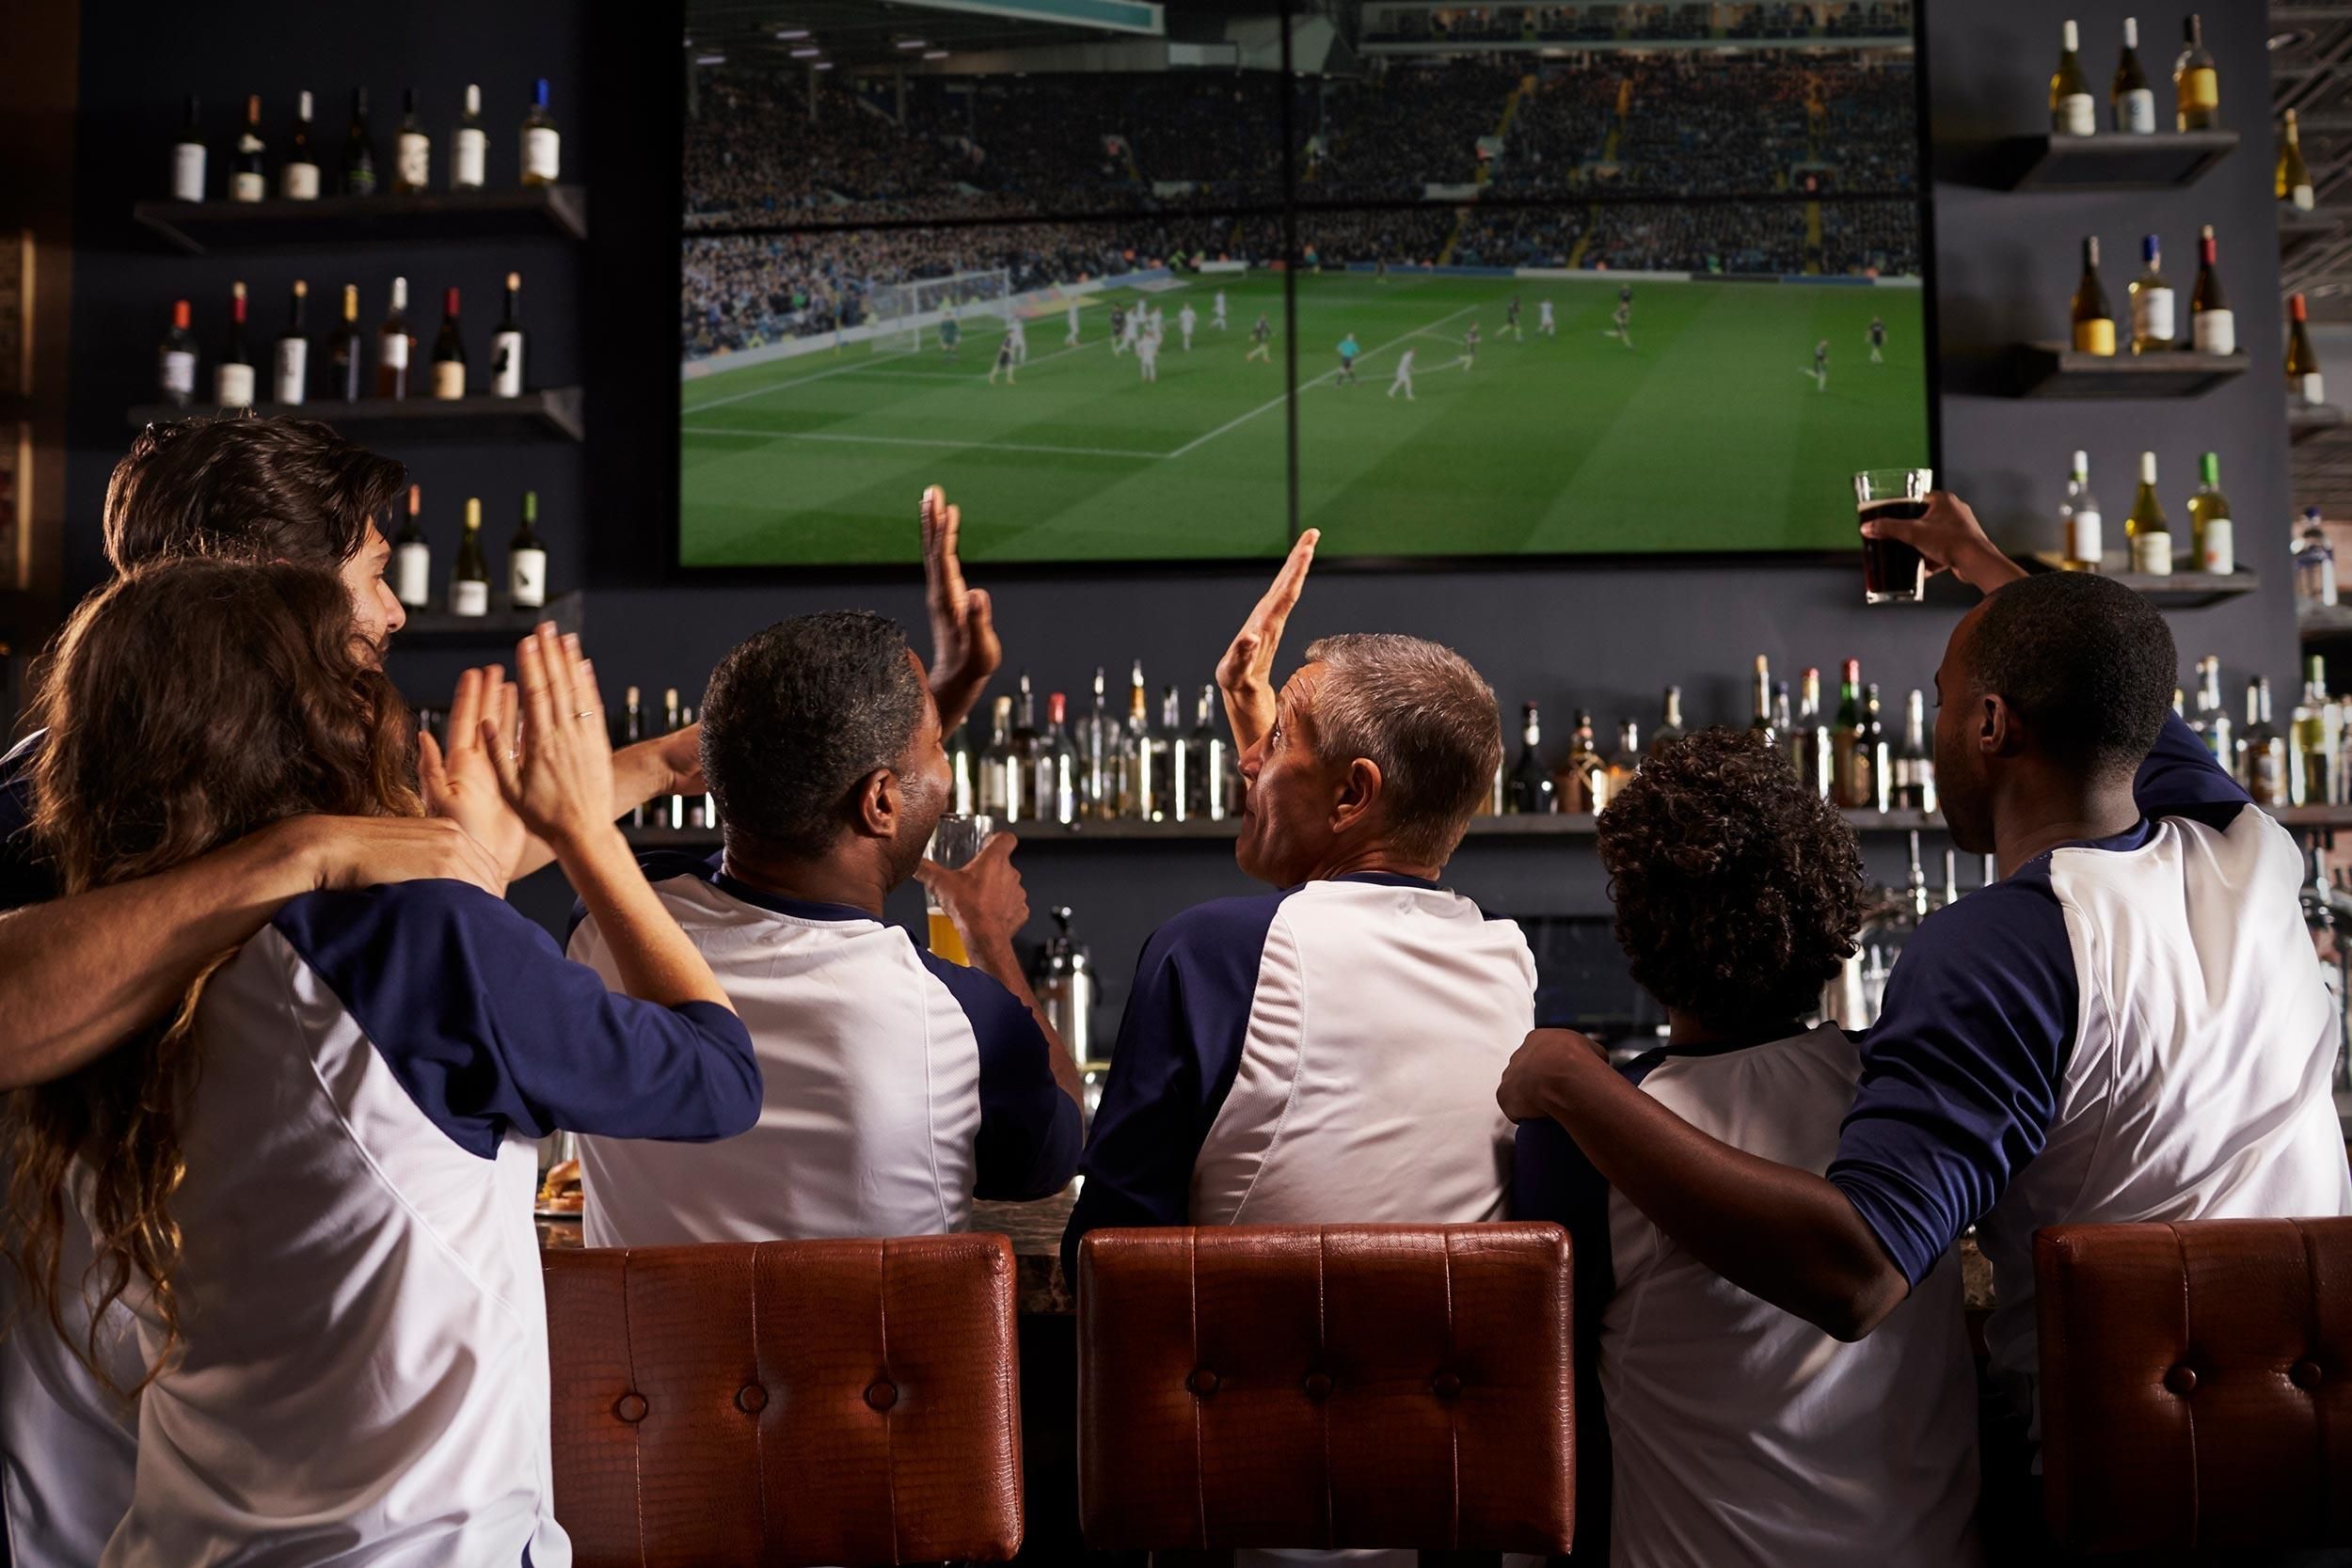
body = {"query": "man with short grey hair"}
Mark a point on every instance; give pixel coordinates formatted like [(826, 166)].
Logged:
[(1284, 1056)]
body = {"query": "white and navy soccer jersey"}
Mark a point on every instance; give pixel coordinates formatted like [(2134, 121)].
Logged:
[(2112, 1033), (1736, 1432), (1328, 1053), (899, 1086), (364, 1375)]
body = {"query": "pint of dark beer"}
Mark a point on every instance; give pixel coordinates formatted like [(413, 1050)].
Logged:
[(1892, 571)]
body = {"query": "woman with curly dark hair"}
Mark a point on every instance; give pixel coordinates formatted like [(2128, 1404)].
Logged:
[(1738, 1433)]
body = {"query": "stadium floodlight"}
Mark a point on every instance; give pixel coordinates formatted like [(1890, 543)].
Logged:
[(808, 53)]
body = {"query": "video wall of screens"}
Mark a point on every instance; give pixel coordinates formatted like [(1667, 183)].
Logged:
[(1552, 280)]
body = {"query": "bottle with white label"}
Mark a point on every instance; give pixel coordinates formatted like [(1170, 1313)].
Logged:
[(290, 356), (506, 345), (2212, 329), (543, 149), (412, 558), (2150, 534), (2131, 102), (298, 180), (2082, 546), (2303, 380), (470, 584), (527, 560), (449, 352), (2294, 179), (2209, 514), (392, 346), (187, 159), (2073, 111), (412, 149), (175, 368), (248, 180), (468, 145), (233, 377), (2153, 327)]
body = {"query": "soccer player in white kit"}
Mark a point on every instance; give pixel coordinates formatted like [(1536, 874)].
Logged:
[(1071, 340), (1404, 376), (1187, 319), (1132, 336), (1007, 355), (1544, 323), (1018, 336), (1217, 311)]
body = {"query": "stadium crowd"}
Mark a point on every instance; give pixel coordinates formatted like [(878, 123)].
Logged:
[(1674, 20)]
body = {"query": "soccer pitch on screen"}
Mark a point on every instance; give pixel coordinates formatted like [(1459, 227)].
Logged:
[(1703, 428)]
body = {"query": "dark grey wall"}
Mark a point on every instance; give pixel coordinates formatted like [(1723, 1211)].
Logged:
[(1602, 637)]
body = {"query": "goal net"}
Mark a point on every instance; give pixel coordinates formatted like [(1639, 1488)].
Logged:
[(907, 314)]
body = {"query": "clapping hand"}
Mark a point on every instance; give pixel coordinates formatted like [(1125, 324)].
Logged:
[(559, 778), (964, 649), (462, 784), (1244, 674)]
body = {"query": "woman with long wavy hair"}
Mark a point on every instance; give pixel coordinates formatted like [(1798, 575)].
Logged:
[(311, 1186)]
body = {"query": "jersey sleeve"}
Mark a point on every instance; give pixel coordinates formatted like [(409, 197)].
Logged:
[(1961, 1075), (492, 1030), (2182, 779), (1029, 1127)]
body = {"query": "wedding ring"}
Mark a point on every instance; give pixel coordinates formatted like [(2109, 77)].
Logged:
[(585, 713)]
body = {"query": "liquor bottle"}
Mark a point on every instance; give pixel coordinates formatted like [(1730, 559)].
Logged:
[(2209, 516), (2153, 327), (542, 147), (1849, 757), (232, 376), (1209, 762), (506, 345), (359, 148), (697, 807), (2294, 175), (2322, 903), (2196, 80), (412, 558), (298, 179), (1811, 750), (673, 720), (2150, 534), (2094, 324), (1918, 902), (1951, 877), (343, 350), (1580, 781), (412, 149), (1054, 773), (1874, 744), (1761, 722), (527, 560), (449, 352), (1135, 751), (2302, 364), (962, 768), (1670, 727), (2212, 327), (633, 731), (470, 584), (468, 145), (1023, 739), (1098, 749), (2263, 748), (2073, 111), (392, 345), (1915, 764), (997, 764), (187, 158), (1624, 761), (2314, 561), (248, 181), (175, 365), (2312, 756), (2082, 543), (1167, 759), (290, 356), (2131, 102), (2211, 723), (1532, 791), (1783, 720)]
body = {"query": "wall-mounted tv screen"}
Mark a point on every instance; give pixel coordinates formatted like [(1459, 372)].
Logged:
[(1600, 277)]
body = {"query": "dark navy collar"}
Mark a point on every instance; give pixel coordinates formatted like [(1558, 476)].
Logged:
[(1639, 1068), (661, 866), (1388, 879)]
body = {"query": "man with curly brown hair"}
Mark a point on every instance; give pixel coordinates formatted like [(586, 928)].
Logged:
[(1738, 1433)]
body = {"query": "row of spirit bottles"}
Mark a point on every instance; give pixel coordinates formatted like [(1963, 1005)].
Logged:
[(2302, 763), (1097, 766)]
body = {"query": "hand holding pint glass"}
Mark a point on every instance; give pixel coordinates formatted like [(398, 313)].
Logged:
[(956, 842), (1893, 572)]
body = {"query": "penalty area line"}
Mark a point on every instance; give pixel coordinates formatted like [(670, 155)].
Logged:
[(912, 441)]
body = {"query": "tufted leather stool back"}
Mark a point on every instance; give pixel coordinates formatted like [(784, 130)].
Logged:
[(787, 1403), (2197, 1383), (1326, 1386)]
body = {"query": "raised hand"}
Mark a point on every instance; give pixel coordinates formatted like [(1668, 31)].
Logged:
[(1244, 674), (964, 648), (462, 784), (559, 779), (1953, 541)]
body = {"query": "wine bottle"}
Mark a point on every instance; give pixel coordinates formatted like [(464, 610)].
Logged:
[(1670, 726), (1914, 764), (469, 145), (175, 369), (343, 350), (290, 356), (2209, 520), (2131, 102), (2150, 534), (2262, 750), (673, 720), (542, 147), (2196, 80), (1851, 758), (2211, 327), (1624, 762), (1761, 722), (506, 345), (233, 377), (1531, 791), (1873, 740), (2302, 364), (2094, 324), (298, 180), (358, 150), (187, 158), (2073, 111), (412, 558), (2153, 327), (412, 149), (527, 560), (2294, 175), (999, 766), (1581, 777), (248, 180), (392, 343), (2082, 544), (470, 584), (449, 352), (1811, 751)]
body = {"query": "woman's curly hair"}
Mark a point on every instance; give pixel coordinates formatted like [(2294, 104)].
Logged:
[(1739, 891)]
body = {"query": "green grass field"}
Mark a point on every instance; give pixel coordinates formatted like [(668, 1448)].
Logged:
[(1708, 434)]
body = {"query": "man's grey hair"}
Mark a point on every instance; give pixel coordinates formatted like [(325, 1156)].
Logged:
[(1424, 717)]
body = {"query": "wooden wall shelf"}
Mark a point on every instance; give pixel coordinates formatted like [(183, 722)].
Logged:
[(439, 217), (2055, 371), (2171, 590), (2112, 161), (553, 415), (505, 625)]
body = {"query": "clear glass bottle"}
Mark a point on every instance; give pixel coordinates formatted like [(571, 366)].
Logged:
[(2082, 541), (2314, 563)]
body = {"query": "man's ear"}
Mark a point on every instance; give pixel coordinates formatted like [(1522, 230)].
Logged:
[(880, 802), (1999, 732), (1359, 793)]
